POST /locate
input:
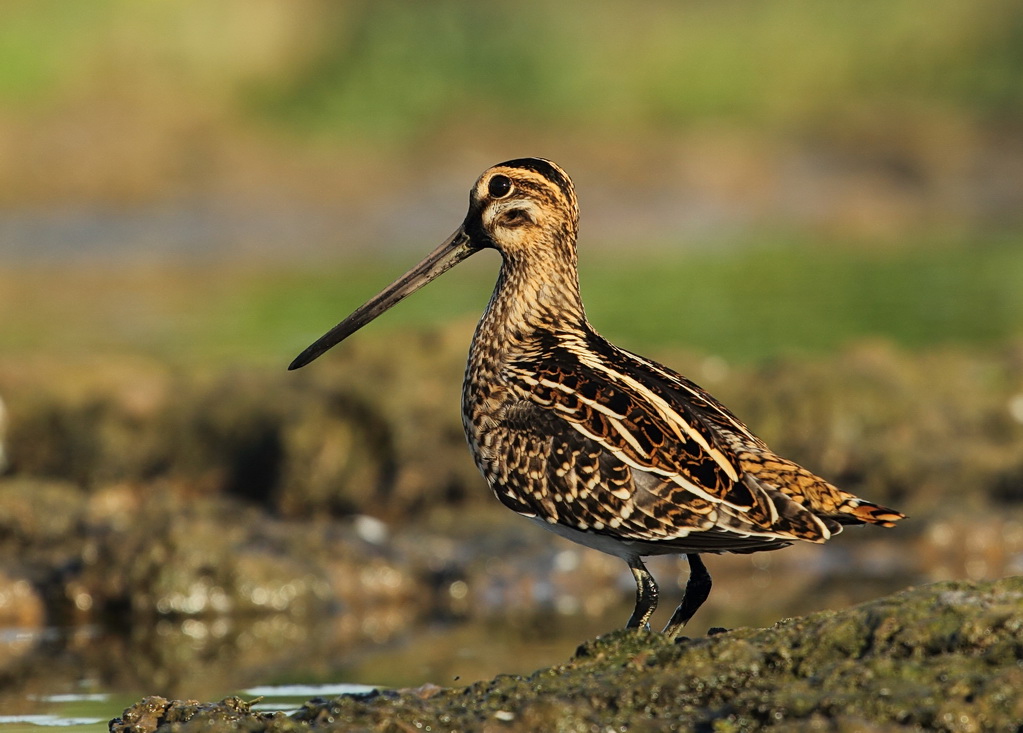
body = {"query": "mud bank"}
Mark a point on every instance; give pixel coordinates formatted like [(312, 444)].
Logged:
[(943, 657)]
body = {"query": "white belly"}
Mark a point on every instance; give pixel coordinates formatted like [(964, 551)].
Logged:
[(625, 549)]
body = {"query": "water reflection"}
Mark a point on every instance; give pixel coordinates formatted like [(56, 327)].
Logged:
[(48, 721), (512, 612)]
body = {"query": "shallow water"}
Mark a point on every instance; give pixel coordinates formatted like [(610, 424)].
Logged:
[(78, 711), (81, 677)]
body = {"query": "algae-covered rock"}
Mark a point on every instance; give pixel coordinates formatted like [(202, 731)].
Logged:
[(945, 657), (231, 713), (369, 433)]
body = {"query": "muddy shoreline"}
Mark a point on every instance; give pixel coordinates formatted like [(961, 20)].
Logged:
[(250, 521), (943, 657)]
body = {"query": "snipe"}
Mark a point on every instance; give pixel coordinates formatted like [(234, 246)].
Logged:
[(597, 444)]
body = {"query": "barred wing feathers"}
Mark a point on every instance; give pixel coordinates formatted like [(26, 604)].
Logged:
[(614, 443)]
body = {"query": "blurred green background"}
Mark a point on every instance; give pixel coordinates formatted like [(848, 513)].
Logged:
[(221, 181)]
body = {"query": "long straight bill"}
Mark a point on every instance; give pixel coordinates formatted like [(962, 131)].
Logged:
[(455, 249)]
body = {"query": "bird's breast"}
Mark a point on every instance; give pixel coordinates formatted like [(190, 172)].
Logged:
[(485, 397)]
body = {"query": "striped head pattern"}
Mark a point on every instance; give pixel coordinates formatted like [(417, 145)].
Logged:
[(523, 205)]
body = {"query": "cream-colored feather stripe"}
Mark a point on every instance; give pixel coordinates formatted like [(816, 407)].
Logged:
[(631, 463), (665, 410), (673, 379)]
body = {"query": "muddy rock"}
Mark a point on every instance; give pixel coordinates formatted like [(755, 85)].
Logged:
[(369, 433), (138, 554), (229, 714), (365, 434), (20, 604), (943, 657), (905, 430)]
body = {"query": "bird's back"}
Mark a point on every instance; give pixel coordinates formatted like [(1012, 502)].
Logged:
[(583, 436)]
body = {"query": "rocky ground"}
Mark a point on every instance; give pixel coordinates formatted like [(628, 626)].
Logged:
[(141, 492), (944, 657), (138, 497)]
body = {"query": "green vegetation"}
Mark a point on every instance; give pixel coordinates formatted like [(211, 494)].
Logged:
[(744, 304), (39, 42), (398, 71), (741, 302), (754, 303), (159, 92)]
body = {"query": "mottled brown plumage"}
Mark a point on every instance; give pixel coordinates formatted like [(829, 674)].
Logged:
[(598, 444)]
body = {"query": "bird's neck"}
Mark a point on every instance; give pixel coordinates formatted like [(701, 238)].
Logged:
[(533, 295)]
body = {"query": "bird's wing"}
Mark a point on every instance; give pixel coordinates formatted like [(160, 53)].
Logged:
[(620, 440), (553, 472), (758, 463)]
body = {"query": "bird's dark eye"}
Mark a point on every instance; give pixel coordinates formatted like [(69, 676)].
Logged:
[(499, 186)]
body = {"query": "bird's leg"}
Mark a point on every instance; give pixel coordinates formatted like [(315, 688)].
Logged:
[(697, 590), (646, 595)]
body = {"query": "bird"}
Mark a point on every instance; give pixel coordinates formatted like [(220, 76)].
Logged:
[(602, 446)]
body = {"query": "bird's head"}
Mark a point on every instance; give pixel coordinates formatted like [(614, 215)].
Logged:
[(523, 205), (524, 208)]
